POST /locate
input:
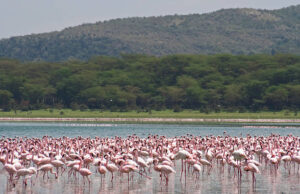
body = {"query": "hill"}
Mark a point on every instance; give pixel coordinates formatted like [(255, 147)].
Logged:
[(234, 31)]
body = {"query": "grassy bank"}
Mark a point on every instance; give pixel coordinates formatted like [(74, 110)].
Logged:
[(67, 113)]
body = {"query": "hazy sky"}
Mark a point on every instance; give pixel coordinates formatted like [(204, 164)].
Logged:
[(21, 17)]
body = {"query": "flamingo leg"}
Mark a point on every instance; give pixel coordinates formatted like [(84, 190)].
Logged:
[(89, 180), (185, 172), (63, 170), (181, 169), (167, 179), (44, 175)]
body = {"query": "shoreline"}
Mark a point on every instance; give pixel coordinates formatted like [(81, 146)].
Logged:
[(149, 120)]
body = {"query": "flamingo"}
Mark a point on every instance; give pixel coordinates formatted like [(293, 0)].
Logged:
[(131, 154), (166, 170), (205, 162), (102, 169), (238, 155), (287, 160), (25, 172), (9, 168), (182, 155), (56, 163), (157, 168), (252, 168), (197, 169), (127, 168), (47, 168), (85, 173), (111, 168)]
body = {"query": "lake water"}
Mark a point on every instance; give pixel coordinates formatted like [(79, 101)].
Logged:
[(40, 129), (217, 182)]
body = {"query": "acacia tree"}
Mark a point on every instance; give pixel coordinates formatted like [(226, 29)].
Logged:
[(6, 99)]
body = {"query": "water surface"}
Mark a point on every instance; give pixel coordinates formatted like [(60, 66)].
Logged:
[(40, 129), (217, 182)]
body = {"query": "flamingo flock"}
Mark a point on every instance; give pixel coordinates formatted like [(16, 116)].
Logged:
[(27, 158)]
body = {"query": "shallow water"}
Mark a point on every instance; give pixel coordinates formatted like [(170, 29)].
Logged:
[(40, 129), (217, 182)]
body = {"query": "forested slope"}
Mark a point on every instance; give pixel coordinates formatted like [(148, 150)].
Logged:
[(235, 31)]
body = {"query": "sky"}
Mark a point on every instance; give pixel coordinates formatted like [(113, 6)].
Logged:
[(22, 17)]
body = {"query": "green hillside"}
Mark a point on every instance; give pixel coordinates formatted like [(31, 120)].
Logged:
[(234, 31)]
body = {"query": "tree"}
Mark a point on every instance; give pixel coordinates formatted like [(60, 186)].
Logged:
[(6, 99), (186, 81), (16, 86), (233, 96), (253, 93), (34, 93), (95, 97), (294, 96), (213, 99), (276, 97), (68, 89), (194, 98), (173, 96), (140, 82)]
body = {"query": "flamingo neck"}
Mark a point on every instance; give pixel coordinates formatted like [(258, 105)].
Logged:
[(12, 157), (6, 158), (80, 164), (31, 152)]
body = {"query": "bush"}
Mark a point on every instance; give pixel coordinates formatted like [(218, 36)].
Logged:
[(204, 110), (286, 113), (149, 111), (242, 109), (124, 110), (83, 107), (6, 108), (58, 106), (177, 109), (230, 109), (74, 106)]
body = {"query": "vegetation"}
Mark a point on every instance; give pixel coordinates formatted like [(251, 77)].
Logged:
[(68, 113), (235, 31), (204, 83)]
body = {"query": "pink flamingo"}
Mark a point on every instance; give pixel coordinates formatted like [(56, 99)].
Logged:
[(252, 168), (47, 168), (111, 168), (25, 172), (182, 155), (85, 173), (166, 170), (102, 169), (10, 168)]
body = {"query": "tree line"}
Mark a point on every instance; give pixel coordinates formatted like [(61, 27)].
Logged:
[(144, 83)]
